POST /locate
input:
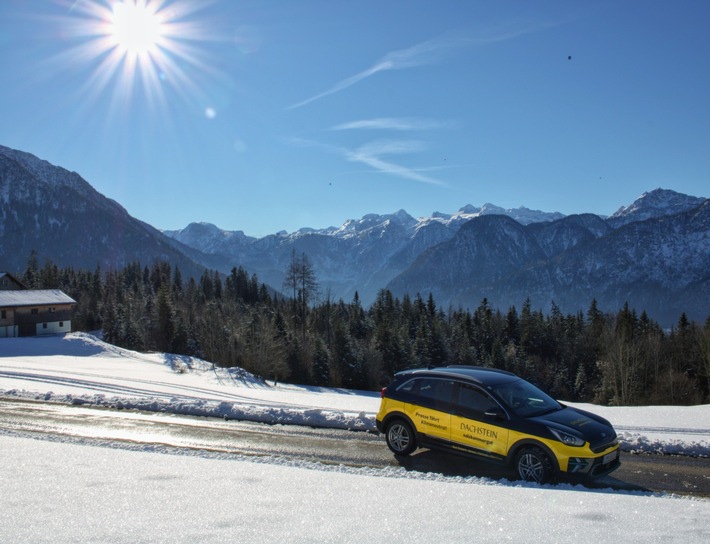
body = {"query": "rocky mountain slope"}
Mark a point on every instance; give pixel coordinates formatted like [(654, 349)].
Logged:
[(56, 213), (653, 253), (661, 264)]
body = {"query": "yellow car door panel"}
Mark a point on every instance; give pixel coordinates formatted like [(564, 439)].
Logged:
[(477, 423)]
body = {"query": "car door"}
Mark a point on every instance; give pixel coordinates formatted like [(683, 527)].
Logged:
[(430, 408), (478, 424)]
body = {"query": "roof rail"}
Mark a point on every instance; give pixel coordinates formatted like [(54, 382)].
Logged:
[(486, 368)]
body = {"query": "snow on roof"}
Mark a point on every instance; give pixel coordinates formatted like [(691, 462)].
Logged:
[(34, 297)]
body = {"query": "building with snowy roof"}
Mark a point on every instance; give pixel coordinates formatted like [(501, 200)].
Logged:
[(32, 312)]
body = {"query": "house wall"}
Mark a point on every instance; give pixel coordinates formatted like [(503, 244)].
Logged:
[(41, 320), (7, 323), (8, 283), (7, 317), (55, 327), (8, 331)]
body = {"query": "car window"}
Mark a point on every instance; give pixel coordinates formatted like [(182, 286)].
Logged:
[(430, 388), (473, 402), (525, 399), (430, 392), (408, 386)]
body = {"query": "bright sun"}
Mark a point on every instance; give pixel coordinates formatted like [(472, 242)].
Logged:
[(135, 27), (140, 48)]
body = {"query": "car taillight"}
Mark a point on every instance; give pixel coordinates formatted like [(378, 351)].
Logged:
[(382, 392)]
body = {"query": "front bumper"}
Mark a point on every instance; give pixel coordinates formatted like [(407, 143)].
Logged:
[(594, 467)]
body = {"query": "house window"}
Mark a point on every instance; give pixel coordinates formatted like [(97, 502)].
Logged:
[(52, 310), (35, 311), (3, 314), (44, 325), (61, 324)]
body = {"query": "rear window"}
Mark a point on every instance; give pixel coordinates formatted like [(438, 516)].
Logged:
[(430, 392)]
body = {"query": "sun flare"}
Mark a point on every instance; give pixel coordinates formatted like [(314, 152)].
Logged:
[(140, 48), (135, 27)]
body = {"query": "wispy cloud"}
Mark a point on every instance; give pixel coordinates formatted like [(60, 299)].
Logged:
[(390, 147), (432, 51), (509, 30), (423, 53), (372, 153), (393, 123)]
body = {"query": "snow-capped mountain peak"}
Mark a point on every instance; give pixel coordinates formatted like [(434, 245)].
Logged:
[(522, 215), (209, 238), (656, 203)]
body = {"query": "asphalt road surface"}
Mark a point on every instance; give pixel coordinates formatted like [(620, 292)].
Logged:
[(651, 473)]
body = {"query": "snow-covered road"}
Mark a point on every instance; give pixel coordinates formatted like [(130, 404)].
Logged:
[(59, 422)]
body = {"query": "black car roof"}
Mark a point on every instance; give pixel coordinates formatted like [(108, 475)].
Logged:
[(478, 374)]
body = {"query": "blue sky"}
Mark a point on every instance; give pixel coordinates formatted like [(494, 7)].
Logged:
[(265, 115)]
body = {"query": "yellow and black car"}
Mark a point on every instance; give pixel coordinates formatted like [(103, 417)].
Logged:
[(497, 416)]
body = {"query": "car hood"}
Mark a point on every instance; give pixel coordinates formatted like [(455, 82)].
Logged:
[(595, 430)]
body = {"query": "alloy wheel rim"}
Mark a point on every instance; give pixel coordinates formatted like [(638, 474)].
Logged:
[(399, 437), (530, 467)]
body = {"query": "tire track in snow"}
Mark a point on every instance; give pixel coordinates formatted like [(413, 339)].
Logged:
[(101, 386)]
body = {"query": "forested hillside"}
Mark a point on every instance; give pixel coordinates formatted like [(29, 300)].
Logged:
[(623, 358)]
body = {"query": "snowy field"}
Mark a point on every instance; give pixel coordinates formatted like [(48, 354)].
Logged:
[(72, 491)]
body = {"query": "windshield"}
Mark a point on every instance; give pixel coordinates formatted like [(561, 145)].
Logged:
[(524, 399)]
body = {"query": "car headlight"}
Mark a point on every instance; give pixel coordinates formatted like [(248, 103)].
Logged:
[(567, 438)]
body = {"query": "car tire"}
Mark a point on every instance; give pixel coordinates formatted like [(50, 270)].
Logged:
[(533, 465), (400, 437)]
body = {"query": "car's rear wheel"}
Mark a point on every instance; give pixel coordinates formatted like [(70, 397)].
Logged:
[(400, 437), (533, 465)]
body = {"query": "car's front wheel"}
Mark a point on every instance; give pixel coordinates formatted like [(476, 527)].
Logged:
[(533, 465), (400, 437)]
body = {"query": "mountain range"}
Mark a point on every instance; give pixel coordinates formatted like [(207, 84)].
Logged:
[(653, 253), (57, 213)]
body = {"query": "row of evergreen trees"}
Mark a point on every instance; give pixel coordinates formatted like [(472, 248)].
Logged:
[(622, 358)]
